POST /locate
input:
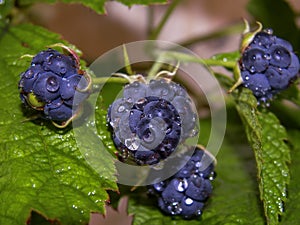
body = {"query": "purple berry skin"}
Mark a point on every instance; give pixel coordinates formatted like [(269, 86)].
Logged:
[(255, 60), (46, 87), (57, 111)]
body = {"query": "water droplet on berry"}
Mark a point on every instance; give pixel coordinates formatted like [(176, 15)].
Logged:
[(132, 143), (194, 132), (121, 108), (141, 101), (198, 164), (149, 136), (129, 100), (168, 130), (159, 186), (247, 78), (188, 201), (181, 185), (174, 208), (52, 84), (198, 212), (212, 175), (164, 92), (252, 69), (124, 153), (63, 70), (269, 31), (28, 74), (267, 56)]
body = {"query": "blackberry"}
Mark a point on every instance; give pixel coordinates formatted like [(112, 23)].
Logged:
[(268, 65), (150, 120), (185, 193), (50, 84)]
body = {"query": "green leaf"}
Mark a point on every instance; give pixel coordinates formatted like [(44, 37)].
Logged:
[(274, 165), (234, 199), (41, 167), (291, 215), (102, 127), (267, 138), (6, 8), (97, 5), (267, 12)]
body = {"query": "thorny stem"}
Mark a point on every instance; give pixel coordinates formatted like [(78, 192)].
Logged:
[(155, 33)]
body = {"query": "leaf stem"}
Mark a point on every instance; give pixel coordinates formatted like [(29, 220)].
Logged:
[(167, 56), (155, 33), (192, 58), (228, 30)]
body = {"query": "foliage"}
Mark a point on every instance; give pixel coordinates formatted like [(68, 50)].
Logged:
[(42, 168), (45, 178)]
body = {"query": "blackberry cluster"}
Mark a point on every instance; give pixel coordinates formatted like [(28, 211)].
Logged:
[(50, 83), (185, 193), (150, 120), (268, 65)]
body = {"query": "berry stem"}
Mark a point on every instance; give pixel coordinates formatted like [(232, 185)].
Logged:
[(127, 61), (102, 80), (155, 33)]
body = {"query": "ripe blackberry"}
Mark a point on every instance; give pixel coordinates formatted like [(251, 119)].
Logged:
[(50, 84), (185, 193), (150, 120), (268, 65)]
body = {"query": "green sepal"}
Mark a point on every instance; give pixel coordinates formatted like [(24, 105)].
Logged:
[(248, 35), (34, 102), (237, 77)]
